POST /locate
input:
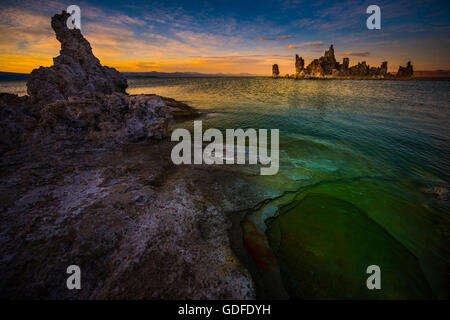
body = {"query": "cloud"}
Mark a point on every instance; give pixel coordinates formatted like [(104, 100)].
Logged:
[(291, 47), (276, 38), (129, 20), (304, 22), (240, 58), (313, 44), (357, 54), (290, 4), (175, 17), (24, 32), (174, 37)]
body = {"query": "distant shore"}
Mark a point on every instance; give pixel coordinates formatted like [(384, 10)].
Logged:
[(418, 75), (414, 78)]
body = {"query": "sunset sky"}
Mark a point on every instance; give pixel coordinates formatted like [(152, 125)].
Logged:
[(230, 36)]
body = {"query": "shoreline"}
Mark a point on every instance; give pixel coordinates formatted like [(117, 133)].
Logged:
[(364, 78), (121, 214)]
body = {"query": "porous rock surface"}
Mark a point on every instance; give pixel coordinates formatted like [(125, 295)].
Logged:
[(17, 120), (79, 100), (100, 118), (76, 70), (138, 226)]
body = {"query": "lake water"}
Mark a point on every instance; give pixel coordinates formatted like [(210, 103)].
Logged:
[(361, 163)]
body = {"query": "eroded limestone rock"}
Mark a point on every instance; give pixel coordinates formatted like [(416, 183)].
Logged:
[(76, 70), (361, 69), (105, 119), (75, 192), (138, 226), (17, 120), (405, 72), (326, 67), (79, 100)]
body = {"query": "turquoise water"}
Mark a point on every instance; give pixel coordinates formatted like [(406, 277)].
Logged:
[(401, 128), (361, 161), (374, 148)]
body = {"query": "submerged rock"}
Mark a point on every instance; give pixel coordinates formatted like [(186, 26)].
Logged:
[(324, 246), (76, 70), (180, 110), (440, 193)]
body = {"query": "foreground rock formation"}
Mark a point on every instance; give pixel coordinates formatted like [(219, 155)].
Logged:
[(77, 100), (326, 67), (76, 70), (76, 188)]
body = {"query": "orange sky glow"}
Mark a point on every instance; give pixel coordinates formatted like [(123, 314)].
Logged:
[(131, 44)]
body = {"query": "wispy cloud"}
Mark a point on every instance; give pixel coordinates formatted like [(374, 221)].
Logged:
[(290, 4), (313, 44), (357, 54), (275, 38), (22, 30), (205, 37)]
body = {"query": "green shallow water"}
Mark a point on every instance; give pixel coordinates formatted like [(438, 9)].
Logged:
[(324, 246), (358, 164), (358, 161)]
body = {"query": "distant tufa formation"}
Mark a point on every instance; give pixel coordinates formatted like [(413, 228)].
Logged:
[(405, 71), (275, 71), (326, 67)]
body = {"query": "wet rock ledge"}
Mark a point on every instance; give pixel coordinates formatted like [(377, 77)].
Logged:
[(86, 179)]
